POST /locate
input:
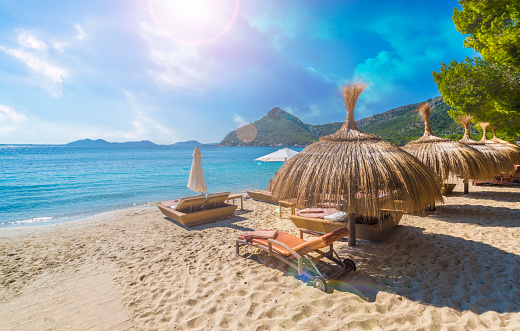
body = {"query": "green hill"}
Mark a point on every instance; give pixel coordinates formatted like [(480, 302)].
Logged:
[(399, 126)]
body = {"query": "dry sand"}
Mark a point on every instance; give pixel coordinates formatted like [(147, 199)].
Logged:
[(455, 268)]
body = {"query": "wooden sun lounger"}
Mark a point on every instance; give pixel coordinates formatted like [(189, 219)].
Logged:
[(363, 231), (215, 200), (296, 252), (186, 204), (201, 210), (261, 196)]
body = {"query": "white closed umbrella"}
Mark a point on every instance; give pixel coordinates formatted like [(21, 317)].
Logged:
[(282, 155), (196, 182)]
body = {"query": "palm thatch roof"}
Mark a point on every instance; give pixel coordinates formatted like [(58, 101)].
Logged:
[(445, 157), (500, 161), (512, 151), (360, 173)]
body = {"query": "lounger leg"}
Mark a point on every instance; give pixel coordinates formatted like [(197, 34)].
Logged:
[(237, 247), (352, 229)]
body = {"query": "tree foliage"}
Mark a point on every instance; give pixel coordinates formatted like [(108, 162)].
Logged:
[(490, 92), (489, 87), (491, 28)]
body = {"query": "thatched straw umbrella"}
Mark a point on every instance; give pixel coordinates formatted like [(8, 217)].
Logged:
[(445, 157), (498, 140), (360, 173), (500, 161), (512, 151)]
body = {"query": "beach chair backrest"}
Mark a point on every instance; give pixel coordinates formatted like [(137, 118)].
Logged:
[(190, 204), (323, 241), (215, 200)]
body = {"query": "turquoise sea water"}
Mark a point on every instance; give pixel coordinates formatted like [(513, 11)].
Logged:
[(47, 184)]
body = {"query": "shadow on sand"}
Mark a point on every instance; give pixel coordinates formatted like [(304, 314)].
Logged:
[(479, 215), (433, 269), (436, 269), (230, 222), (491, 195)]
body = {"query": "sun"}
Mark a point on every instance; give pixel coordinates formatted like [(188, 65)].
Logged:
[(193, 22)]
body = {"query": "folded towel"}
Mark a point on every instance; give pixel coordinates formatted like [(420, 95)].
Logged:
[(261, 234), (337, 216), (316, 212)]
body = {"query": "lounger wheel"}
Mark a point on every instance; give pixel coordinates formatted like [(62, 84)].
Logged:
[(320, 284), (350, 263)]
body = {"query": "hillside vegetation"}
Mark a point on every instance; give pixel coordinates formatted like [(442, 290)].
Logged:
[(399, 126)]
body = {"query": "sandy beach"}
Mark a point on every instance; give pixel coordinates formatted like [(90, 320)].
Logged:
[(455, 268)]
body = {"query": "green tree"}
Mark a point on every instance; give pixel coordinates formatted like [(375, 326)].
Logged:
[(489, 87), (491, 28), (490, 92)]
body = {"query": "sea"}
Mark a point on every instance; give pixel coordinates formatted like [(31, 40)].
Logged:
[(46, 184)]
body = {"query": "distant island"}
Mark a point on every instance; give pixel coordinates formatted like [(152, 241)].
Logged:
[(189, 143), (104, 143), (399, 126), (143, 143)]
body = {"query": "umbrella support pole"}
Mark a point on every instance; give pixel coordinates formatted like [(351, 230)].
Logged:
[(352, 229), (431, 207), (466, 186)]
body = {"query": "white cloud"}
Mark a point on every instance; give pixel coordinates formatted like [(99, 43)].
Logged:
[(33, 54), (50, 77), (9, 120), (143, 127), (9, 114), (80, 32), (326, 77), (26, 40), (239, 120), (179, 65)]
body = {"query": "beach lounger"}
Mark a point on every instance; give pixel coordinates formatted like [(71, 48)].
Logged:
[(261, 196), (322, 222), (215, 200), (186, 204), (191, 211), (296, 252)]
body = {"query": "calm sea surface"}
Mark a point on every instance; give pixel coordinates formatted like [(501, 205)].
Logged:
[(48, 184)]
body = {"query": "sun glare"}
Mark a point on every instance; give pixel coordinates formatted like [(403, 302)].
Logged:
[(194, 22)]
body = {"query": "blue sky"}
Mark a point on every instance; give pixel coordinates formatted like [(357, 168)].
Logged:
[(170, 71)]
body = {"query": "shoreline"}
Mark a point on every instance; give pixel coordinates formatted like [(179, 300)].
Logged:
[(80, 221), (81, 217), (456, 267)]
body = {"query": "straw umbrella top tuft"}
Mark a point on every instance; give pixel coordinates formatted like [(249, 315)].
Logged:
[(360, 173), (445, 157), (500, 161), (512, 151), (498, 140)]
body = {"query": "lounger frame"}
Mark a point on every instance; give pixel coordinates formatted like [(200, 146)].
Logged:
[(256, 195), (339, 268), (198, 217), (363, 231)]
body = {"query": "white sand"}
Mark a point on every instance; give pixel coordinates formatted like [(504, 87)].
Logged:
[(455, 268)]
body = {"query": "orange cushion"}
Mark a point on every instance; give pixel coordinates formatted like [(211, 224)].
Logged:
[(285, 238)]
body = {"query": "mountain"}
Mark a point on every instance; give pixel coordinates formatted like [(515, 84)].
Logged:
[(189, 143), (403, 124), (399, 126), (104, 143), (279, 127)]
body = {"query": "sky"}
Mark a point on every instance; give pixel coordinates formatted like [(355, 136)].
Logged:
[(169, 71)]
